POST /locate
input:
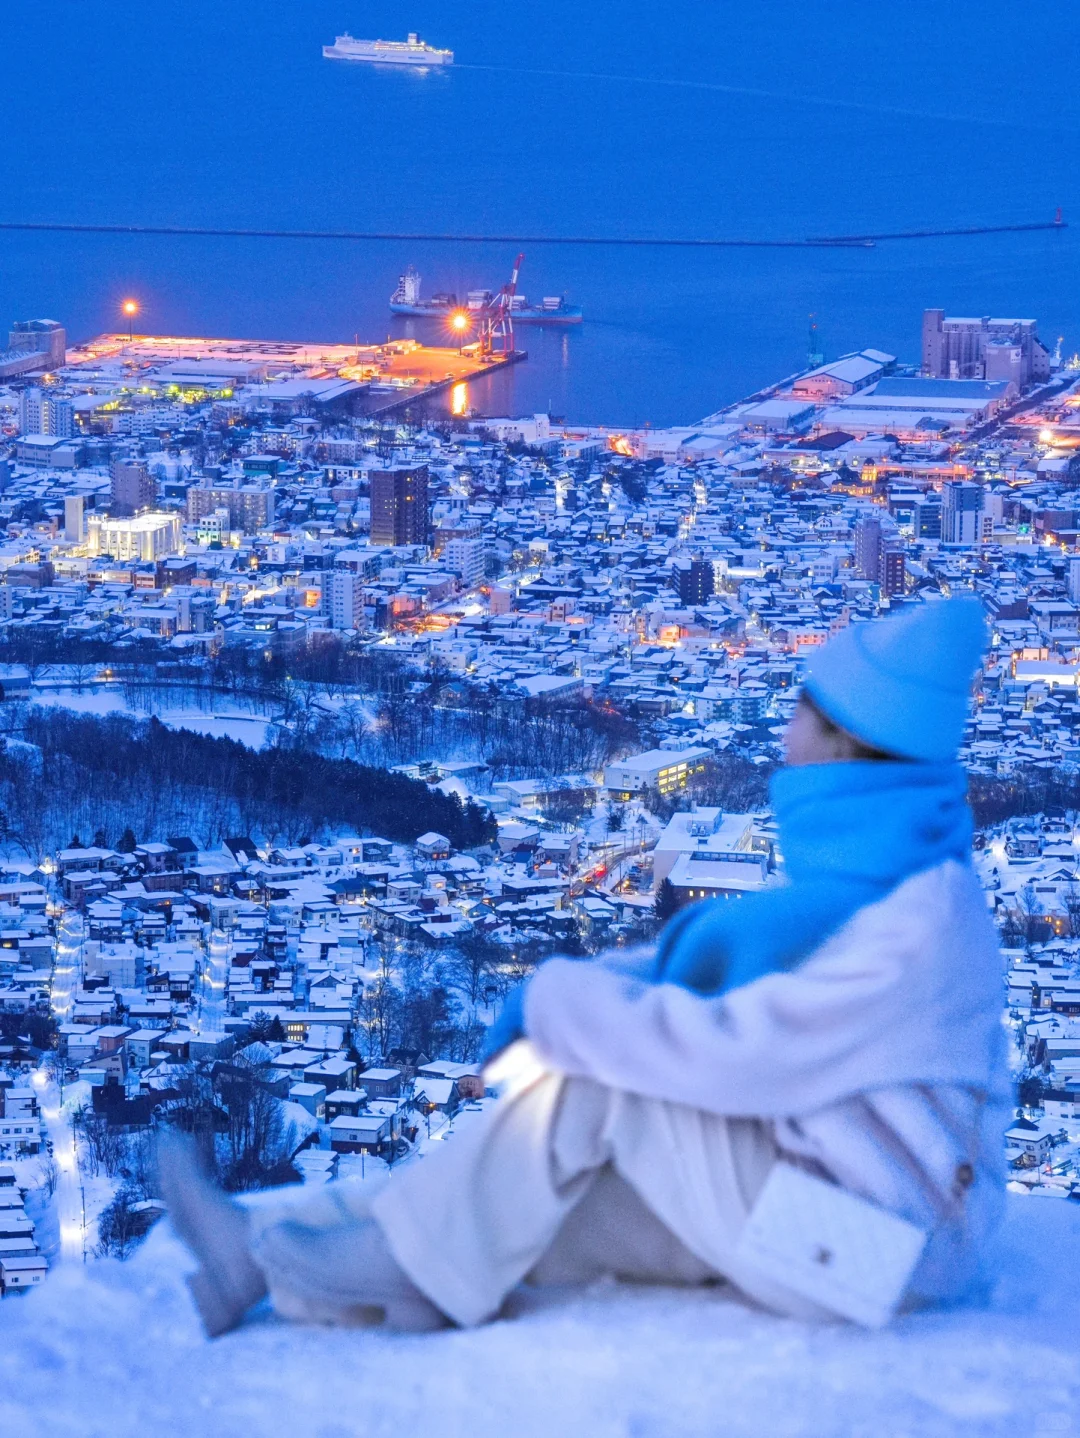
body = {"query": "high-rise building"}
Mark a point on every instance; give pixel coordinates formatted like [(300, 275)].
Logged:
[(399, 505), (984, 348), (1072, 578), (465, 558), (893, 571), (693, 579), (133, 487), (344, 599), (926, 517), (41, 412), (868, 547), (63, 417), (73, 518), (961, 513), (32, 411), (250, 506)]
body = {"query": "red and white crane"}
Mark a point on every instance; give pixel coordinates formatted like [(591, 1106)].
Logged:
[(497, 325)]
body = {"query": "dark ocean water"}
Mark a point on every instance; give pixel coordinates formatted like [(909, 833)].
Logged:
[(772, 120)]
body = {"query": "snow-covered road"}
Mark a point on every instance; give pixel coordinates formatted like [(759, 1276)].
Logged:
[(114, 1351), (69, 1200)]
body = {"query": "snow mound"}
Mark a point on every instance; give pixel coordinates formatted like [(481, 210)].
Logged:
[(115, 1351)]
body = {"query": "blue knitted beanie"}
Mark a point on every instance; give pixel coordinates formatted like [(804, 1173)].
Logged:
[(903, 685)]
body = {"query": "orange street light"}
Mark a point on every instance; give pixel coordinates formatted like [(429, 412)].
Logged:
[(459, 323), (131, 309)]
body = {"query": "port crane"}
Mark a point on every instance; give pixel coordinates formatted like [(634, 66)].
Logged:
[(497, 318)]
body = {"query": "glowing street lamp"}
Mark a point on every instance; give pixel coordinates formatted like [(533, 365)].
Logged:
[(131, 309), (459, 323)]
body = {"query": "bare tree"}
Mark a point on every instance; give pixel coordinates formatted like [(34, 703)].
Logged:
[(354, 728), (475, 966), (1029, 913), (82, 671), (102, 1147), (50, 1175), (379, 1013), (123, 1224), (1070, 897)]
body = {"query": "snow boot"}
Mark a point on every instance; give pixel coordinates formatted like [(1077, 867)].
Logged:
[(217, 1231)]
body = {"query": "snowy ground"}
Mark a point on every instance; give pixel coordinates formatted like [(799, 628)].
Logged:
[(114, 1351), (221, 720)]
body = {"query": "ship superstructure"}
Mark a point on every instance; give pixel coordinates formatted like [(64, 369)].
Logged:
[(412, 51), (406, 298)]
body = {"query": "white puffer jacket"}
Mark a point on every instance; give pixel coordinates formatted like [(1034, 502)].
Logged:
[(880, 1057)]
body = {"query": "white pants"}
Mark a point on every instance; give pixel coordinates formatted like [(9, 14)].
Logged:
[(559, 1182)]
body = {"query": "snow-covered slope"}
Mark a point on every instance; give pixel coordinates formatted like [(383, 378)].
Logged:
[(114, 1351)]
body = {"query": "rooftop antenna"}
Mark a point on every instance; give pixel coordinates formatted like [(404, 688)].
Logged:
[(815, 355)]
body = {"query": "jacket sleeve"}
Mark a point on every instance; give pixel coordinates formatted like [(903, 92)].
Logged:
[(785, 1044)]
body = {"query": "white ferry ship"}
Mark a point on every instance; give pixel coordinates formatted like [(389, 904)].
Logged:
[(412, 51)]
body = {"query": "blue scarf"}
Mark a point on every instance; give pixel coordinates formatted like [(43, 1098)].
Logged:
[(850, 832)]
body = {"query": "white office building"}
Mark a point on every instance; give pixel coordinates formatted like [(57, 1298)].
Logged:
[(41, 412), (465, 558), (1072, 579), (146, 537), (664, 769), (73, 518), (344, 600), (963, 520)]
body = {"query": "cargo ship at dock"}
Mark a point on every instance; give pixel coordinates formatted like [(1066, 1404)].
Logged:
[(406, 300), (412, 51)]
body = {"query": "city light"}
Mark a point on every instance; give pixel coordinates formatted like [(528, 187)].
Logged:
[(459, 323), (130, 309), (459, 399)]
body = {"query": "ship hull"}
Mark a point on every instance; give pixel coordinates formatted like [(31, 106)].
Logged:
[(423, 310), (568, 316), (430, 311), (331, 52)]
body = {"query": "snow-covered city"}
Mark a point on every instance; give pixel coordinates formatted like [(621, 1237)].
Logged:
[(332, 792), (539, 722)]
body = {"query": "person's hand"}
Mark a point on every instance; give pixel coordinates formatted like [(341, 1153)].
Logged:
[(509, 1024)]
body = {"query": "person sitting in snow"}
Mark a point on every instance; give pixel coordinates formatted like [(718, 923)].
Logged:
[(847, 1020)]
